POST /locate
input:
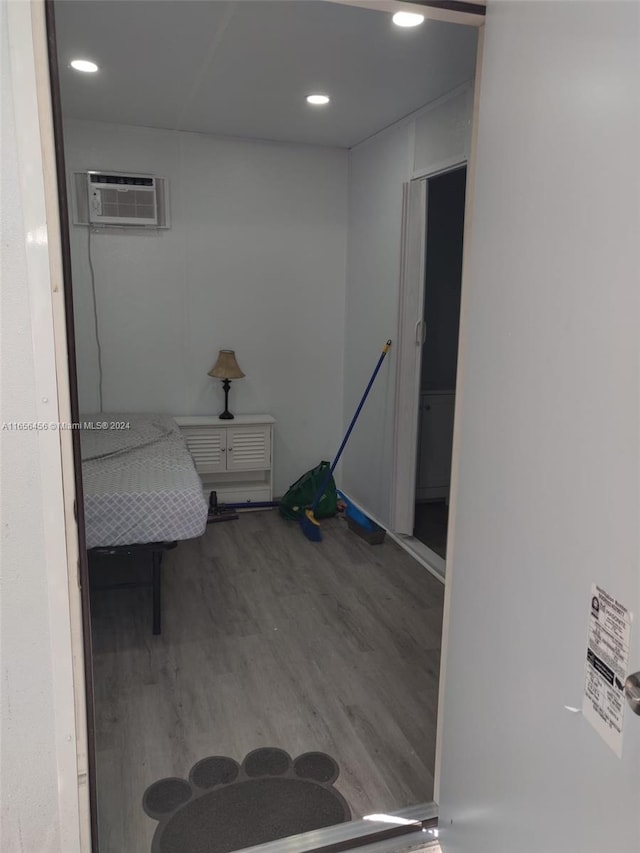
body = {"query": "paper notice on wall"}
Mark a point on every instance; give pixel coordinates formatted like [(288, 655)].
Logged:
[(606, 668)]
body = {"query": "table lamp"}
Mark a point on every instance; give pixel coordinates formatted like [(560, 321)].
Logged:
[(226, 368)]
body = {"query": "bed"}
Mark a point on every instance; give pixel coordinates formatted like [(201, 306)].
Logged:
[(141, 490)]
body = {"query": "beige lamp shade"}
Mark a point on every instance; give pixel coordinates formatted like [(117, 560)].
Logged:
[(226, 367)]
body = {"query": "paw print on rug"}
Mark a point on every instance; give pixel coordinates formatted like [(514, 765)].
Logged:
[(227, 806)]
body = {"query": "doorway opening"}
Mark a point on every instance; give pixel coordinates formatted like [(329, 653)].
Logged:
[(267, 655), (440, 332)]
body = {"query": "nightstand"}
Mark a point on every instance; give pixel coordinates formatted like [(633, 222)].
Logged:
[(233, 458)]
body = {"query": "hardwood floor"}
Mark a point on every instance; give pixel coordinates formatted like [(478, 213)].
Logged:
[(268, 640)]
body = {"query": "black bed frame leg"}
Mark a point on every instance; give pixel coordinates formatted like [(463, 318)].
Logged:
[(157, 589)]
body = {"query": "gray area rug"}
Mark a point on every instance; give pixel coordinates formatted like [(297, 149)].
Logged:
[(226, 806)]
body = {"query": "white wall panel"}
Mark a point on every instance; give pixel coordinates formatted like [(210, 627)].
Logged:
[(435, 138), (443, 132), (254, 261)]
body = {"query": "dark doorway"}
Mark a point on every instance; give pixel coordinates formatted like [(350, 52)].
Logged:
[(443, 277)]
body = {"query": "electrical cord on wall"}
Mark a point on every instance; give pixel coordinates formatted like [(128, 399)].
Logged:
[(95, 317)]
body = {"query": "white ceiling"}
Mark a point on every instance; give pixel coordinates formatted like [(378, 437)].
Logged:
[(244, 68)]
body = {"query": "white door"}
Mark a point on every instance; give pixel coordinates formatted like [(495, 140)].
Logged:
[(546, 452)]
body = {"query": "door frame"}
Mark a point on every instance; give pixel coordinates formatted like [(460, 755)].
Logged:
[(410, 339), (66, 566), (85, 674), (469, 12), (55, 389), (459, 407), (409, 349)]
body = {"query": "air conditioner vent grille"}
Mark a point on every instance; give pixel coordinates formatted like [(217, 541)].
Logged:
[(114, 199), (130, 204)]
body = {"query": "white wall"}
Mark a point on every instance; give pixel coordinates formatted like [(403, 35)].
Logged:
[(37, 761), (254, 261), (546, 496), (436, 138)]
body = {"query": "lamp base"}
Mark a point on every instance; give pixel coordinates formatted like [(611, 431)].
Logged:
[(226, 415)]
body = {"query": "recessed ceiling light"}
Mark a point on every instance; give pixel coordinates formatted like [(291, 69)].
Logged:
[(84, 65), (318, 100), (407, 19)]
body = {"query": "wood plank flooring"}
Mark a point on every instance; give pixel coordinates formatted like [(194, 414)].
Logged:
[(268, 640)]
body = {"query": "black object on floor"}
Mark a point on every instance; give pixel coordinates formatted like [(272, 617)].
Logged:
[(156, 549), (374, 535), (226, 806), (228, 511), (218, 512)]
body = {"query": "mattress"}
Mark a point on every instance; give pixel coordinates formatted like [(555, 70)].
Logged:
[(140, 484)]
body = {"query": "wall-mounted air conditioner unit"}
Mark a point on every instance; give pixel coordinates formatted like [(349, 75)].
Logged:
[(120, 199)]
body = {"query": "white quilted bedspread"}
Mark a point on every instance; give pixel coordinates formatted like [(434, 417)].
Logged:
[(140, 484)]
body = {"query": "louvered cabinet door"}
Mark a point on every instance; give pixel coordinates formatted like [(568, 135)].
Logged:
[(208, 448), (248, 448)]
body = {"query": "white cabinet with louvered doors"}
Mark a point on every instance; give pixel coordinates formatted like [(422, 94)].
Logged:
[(233, 458)]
